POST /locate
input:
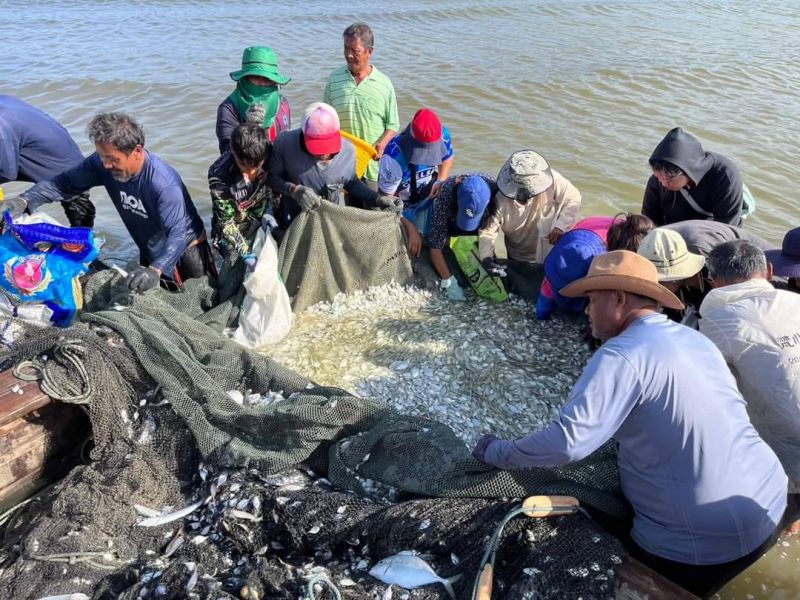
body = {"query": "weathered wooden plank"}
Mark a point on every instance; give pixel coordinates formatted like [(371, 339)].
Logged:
[(39, 438), (636, 581), (14, 405)]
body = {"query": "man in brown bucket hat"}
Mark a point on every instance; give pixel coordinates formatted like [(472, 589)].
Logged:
[(708, 494)]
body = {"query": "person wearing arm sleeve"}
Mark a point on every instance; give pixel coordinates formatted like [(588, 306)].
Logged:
[(601, 400), (439, 232), (651, 204), (546, 302), (488, 234), (67, 185), (277, 170), (173, 217), (390, 175), (227, 121), (361, 193)]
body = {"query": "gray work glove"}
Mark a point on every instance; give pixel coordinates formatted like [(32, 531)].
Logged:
[(306, 198), (268, 222), (389, 203), (15, 206), (142, 279), (492, 268)]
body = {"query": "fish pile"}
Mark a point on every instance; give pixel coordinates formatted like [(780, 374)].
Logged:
[(474, 366), (248, 530)]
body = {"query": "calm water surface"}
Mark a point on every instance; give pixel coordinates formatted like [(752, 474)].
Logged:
[(593, 85)]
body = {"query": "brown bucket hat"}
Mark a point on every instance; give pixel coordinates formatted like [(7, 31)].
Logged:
[(626, 271)]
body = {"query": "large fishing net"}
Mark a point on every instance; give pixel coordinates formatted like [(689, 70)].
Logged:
[(341, 249), (286, 485)]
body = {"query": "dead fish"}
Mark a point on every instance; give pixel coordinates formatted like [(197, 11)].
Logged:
[(193, 577), (144, 511), (173, 546), (240, 514), (409, 571), (168, 518)]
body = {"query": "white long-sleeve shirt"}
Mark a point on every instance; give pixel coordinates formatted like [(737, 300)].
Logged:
[(757, 329), (704, 487), (526, 226)]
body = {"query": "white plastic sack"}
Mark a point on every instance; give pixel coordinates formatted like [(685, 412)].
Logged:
[(266, 315)]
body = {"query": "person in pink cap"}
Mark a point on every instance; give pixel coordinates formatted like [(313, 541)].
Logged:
[(413, 167), (314, 163)]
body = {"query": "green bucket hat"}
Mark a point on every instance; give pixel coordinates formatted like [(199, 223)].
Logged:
[(260, 60)]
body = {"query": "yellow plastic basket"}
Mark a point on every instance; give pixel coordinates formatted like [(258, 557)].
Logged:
[(365, 152)]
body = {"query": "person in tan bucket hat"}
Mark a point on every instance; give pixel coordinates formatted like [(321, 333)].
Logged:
[(708, 494), (535, 205), (679, 270)]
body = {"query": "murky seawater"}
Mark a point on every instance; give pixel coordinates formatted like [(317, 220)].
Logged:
[(591, 84)]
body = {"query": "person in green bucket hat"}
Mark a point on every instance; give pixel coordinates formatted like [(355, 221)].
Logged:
[(257, 89)]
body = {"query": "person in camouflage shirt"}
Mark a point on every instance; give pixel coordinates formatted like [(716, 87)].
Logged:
[(239, 199)]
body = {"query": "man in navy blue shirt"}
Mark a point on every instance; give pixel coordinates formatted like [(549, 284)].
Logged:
[(35, 147), (148, 194)]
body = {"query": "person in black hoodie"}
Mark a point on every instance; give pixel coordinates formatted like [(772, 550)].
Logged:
[(690, 183)]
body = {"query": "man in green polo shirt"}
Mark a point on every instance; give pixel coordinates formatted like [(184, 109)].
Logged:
[(363, 96)]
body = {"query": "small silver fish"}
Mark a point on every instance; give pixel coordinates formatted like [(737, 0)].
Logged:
[(168, 518), (145, 511), (240, 514), (192, 576), (409, 571), (173, 546)]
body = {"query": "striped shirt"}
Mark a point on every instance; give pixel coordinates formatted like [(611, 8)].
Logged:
[(366, 110)]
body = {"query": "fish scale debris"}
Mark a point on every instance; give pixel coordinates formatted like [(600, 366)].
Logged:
[(474, 366)]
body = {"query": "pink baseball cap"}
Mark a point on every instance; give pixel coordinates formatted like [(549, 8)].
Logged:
[(321, 129)]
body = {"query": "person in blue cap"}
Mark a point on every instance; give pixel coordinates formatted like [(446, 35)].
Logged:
[(568, 261), (459, 209)]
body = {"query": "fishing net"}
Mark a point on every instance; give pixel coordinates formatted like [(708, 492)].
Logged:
[(170, 432), (341, 249)]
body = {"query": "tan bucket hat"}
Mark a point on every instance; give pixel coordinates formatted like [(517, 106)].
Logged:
[(623, 270), (667, 250), (524, 175)]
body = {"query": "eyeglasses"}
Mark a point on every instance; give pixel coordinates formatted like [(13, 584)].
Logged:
[(668, 175)]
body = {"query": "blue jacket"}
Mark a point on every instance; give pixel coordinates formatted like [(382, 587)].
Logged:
[(33, 146), (155, 205)]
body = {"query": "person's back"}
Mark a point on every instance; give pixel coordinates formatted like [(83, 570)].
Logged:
[(705, 488), (33, 146), (701, 236), (757, 329)]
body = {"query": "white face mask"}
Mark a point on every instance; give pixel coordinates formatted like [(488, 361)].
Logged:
[(323, 164)]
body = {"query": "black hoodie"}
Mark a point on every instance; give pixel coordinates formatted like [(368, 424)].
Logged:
[(716, 185)]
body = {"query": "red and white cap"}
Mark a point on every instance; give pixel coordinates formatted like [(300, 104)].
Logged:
[(321, 129)]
